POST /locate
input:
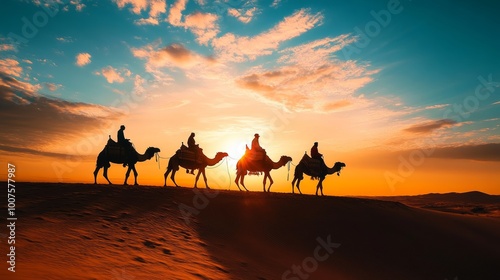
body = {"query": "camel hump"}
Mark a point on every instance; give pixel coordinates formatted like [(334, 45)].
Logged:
[(111, 142), (311, 163)]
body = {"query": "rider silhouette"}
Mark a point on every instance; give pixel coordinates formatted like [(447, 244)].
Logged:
[(316, 155), (255, 144), (193, 147), (125, 143)]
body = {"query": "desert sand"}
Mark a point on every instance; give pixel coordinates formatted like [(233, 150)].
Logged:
[(80, 231)]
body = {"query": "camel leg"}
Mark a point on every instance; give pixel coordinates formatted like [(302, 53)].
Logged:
[(96, 171), (135, 175), (173, 177), (236, 181), (270, 182), (127, 175), (293, 184), (197, 177), (165, 176), (242, 182), (320, 185), (204, 177), (264, 182), (105, 174), (298, 186)]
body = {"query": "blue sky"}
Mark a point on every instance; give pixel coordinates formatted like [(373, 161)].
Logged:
[(398, 82)]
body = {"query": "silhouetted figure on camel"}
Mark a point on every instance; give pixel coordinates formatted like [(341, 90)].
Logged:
[(125, 143), (191, 158), (256, 145), (114, 152), (193, 147), (315, 168), (255, 161)]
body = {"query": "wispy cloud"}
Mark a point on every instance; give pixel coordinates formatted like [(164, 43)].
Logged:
[(430, 126), (83, 59), (482, 152), (7, 47), (10, 67), (52, 86), (114, 75), (156, 9), (22, 107), (175, 15), (243, 15), (231, 47), (203, 25), (310, 78)]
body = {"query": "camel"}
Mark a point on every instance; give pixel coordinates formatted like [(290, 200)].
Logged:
[(245, 165), (111, 153), (309, 169), (175, 161)]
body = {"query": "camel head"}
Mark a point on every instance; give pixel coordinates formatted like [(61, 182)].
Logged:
[(151, 151), (338, 166), (285, 159), (221, 155)]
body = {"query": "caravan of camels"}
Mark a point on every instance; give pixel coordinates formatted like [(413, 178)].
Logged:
[(255, 161)]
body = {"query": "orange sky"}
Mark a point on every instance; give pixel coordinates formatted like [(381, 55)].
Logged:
[(412, 109)]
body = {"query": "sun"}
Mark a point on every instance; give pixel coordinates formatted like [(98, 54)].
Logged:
[(236, 149)]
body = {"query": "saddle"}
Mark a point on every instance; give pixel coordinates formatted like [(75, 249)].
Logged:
[(188, 154), (252, 155), (116, 150), (314, 165)]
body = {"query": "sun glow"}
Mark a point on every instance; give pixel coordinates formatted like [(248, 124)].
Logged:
[(235, 149)]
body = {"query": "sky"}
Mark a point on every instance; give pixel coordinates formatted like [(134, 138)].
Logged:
[(405, 93)]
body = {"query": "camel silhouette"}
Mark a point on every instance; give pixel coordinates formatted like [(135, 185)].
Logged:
[(315, 171), (112, 154), (200, 164), (245, 165)]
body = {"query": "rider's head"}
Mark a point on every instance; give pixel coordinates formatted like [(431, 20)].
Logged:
[(315, 143), (257, 135), (192, 134), (122, 127)]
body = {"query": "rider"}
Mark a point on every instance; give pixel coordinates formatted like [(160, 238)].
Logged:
[(193, 147), (125, 143), (255, 144), (316, 155)]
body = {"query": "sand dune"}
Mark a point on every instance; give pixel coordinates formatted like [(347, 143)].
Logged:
[(77, 231)]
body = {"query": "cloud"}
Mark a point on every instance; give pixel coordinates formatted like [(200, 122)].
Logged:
[(175, 15), (156, 8), (337, 105), (137, 5), (83, 59), (10, 67), (430, 126), (66, 39), (231, 47), (243, 15), (481, 152), (31, 121), (203, 25), (147, 21), (113, 75), (309, 77), (276, 3), (52, 86), (78, 5), (172, 56), (7, 47)]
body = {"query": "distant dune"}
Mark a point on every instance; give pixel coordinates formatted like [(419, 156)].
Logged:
[(470, 203), (78, 231)]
